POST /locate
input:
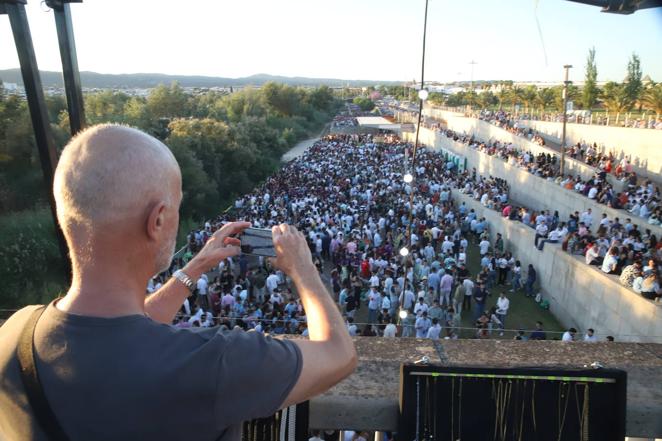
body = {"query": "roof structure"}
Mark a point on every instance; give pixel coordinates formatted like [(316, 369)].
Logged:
[(377, 122)]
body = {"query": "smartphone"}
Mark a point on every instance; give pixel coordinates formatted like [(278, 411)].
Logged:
[(257, 242)]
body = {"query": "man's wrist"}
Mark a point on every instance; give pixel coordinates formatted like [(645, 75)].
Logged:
[(194, 269), (305, 275)]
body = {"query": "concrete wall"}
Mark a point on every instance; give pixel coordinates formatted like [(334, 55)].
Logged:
[(525, 188), (643, 146), (485, 131), (368, 398), (580, 295)]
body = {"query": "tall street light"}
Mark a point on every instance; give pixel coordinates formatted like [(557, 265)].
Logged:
[(565, 115)]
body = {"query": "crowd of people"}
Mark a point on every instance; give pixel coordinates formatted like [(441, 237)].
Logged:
[(640, 197), (584, 117), (349, 196), (341, 121)]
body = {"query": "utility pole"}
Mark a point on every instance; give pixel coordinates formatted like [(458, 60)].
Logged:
[(565, 115)]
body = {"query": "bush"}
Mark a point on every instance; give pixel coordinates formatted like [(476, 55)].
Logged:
[(31, 268)]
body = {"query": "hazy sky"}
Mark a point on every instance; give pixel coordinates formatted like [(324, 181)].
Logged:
[(351, 39)]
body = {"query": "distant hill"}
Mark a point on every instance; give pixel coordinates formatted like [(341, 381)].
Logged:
[(140, 80)]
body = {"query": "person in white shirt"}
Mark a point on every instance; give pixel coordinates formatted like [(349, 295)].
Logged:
[(502, 306), (569, 335), (407, 299), (272, 282), (351, 327), (374, 302), (610, 261), (390, 330), (374, 281), (422, 325), (386, 302), (555, 236), (202, 292), (592, 255), (590, 337), (421, 307), (484, 247), (587, 218), (541, 232), (434, 330)]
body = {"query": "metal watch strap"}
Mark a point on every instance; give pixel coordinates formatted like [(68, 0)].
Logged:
[(185, 279)]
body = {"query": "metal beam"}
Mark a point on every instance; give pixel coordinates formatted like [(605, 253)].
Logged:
[(15, 9), (72, 85)]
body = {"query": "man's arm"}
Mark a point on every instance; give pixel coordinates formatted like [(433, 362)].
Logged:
[(164, 303), (328, 355)]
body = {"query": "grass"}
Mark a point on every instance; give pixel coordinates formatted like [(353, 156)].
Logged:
[(523, 313)]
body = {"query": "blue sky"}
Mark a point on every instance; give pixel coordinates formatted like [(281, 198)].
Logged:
[(352, 39)]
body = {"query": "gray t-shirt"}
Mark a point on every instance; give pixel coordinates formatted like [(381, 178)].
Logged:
[(131, 378)]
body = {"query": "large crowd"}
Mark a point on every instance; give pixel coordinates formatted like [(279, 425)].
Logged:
[(616, 245), (584, 117), (348, 194), (640, 198)]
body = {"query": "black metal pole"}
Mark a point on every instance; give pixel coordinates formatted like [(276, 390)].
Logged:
[(72, 85), (35, 95)]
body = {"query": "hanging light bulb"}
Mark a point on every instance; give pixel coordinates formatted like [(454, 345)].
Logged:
[(423, 94), (408, 178), (404, 251), (403, 314)]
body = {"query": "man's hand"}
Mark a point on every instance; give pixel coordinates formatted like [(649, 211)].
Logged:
[(219, 247), (293, 254)]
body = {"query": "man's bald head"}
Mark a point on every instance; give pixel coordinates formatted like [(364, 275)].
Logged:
[(109, 173)]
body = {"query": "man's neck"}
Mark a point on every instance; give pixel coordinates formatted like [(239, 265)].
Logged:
[(104, 295)]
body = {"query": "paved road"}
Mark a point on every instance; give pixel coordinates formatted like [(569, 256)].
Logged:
[(298, 149)]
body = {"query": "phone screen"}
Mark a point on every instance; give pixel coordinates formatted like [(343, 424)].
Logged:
[(257, 242)]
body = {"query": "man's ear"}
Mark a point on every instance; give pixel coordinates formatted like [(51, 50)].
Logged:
[(156, 221)]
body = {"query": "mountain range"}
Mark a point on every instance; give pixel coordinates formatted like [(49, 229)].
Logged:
[(148, 80)]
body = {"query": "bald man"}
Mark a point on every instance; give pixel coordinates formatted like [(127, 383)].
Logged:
[(110, 365)]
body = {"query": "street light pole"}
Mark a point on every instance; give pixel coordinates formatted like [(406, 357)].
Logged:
[(565, 116)]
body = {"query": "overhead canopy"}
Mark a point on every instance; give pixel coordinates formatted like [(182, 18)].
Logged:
[(377, 122)]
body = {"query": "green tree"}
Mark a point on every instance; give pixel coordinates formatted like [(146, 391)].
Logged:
[(652, 98), (486, 99), (168, 102), (590, 89), (544, 98), (104, 107), (528, 96), (573, 94), (364, 103), (502, 97), (616, 97), (633, 84), (515, 96)]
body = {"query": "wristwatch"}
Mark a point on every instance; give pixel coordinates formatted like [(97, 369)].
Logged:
[(185, 279)]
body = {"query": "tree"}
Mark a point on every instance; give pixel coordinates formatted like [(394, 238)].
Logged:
[(573, 94), (544, 98), (528, 96), (486, 99), (365, 104), (168, 102), (590, 90), (652, 99), (633, 84), (502, 97), (616, 98), (515, 96)]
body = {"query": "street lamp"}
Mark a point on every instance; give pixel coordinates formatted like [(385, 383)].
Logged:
[(565, 116)]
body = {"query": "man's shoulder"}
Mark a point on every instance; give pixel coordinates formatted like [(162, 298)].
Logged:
[(15, 323)]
